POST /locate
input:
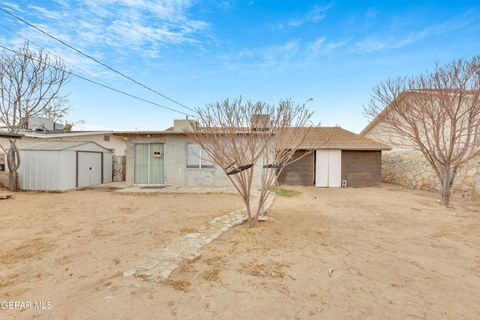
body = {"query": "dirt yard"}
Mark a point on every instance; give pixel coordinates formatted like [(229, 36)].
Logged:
[(324, 254)]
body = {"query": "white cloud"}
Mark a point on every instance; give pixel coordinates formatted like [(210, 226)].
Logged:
[(44, 12), (315, 14), (129, 25), (279, 58), (377, 42), (109, 30)]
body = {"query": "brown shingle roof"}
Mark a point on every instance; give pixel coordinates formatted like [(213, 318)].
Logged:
[(317, 138), (339, 138)]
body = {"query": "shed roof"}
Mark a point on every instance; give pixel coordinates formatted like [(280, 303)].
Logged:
[(338, 138), (58, 145)]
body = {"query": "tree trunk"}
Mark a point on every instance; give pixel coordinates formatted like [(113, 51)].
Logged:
[(446, 183), (13, 181), (251, 220), (13, 161)]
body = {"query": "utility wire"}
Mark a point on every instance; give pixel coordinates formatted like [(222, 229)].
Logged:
[(105, 84), (53, 53), (96, 60), (98, 83)]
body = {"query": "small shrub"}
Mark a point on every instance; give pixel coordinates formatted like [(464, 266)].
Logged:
[(284, 192)]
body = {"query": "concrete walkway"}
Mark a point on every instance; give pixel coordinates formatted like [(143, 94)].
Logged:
[(176, 189), (160, 264)]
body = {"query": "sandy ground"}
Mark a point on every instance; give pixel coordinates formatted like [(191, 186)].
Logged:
[(324, 254)]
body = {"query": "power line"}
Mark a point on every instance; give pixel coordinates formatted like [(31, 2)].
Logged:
[(96, 60), (98, 83), (105, 84), (53, 53)]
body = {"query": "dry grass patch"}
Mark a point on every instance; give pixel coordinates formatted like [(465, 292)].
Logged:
[(180, 285), (272, 270), (189, 230), (211, 275)]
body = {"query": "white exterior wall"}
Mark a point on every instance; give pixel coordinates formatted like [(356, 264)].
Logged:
[(41, 170), (107, 167), (68, 165)]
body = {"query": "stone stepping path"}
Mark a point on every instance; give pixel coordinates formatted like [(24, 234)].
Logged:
[(160, 264)]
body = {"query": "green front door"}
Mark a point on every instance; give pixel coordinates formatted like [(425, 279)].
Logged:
[(149, 163)]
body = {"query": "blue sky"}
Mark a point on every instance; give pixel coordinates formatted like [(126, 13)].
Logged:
[(203, 51)]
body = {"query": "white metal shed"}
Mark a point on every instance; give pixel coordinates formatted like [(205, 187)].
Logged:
[(64, 165)]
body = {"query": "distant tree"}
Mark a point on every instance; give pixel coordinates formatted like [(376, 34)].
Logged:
[(436, 113), (69, 125), (57, 109), (30, 81), (240, 136)]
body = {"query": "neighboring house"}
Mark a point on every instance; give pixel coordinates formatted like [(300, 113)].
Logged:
[(163, 158), (105, 139), (408, 167)]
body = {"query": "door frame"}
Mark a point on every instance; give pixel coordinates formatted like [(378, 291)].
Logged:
[(327, 153), (101, 165), (148, 165)]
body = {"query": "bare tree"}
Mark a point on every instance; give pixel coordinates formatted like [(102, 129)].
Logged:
[(436, 113), (240, 137), (30, 81)]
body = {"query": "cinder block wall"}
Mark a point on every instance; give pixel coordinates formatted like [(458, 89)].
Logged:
[(361, 168), (300, 172)]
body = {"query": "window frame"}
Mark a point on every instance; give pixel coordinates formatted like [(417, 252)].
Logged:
[(201, 161)]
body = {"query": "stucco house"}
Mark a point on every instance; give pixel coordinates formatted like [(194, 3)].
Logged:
[(407, 166), (335, 158)]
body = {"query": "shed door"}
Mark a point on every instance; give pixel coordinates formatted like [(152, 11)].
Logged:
[(328, 168), (89, 171)]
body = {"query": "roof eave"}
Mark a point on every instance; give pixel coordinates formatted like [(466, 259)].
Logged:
[(11, 135), (358, 148)]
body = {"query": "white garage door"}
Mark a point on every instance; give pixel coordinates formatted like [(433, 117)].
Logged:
[(328, 168), (89, 168)]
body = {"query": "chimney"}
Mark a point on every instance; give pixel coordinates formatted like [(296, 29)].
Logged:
[(260, 122), (180, 125)]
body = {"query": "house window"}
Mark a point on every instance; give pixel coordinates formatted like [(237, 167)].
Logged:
[(106, 138), (197, 157)]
